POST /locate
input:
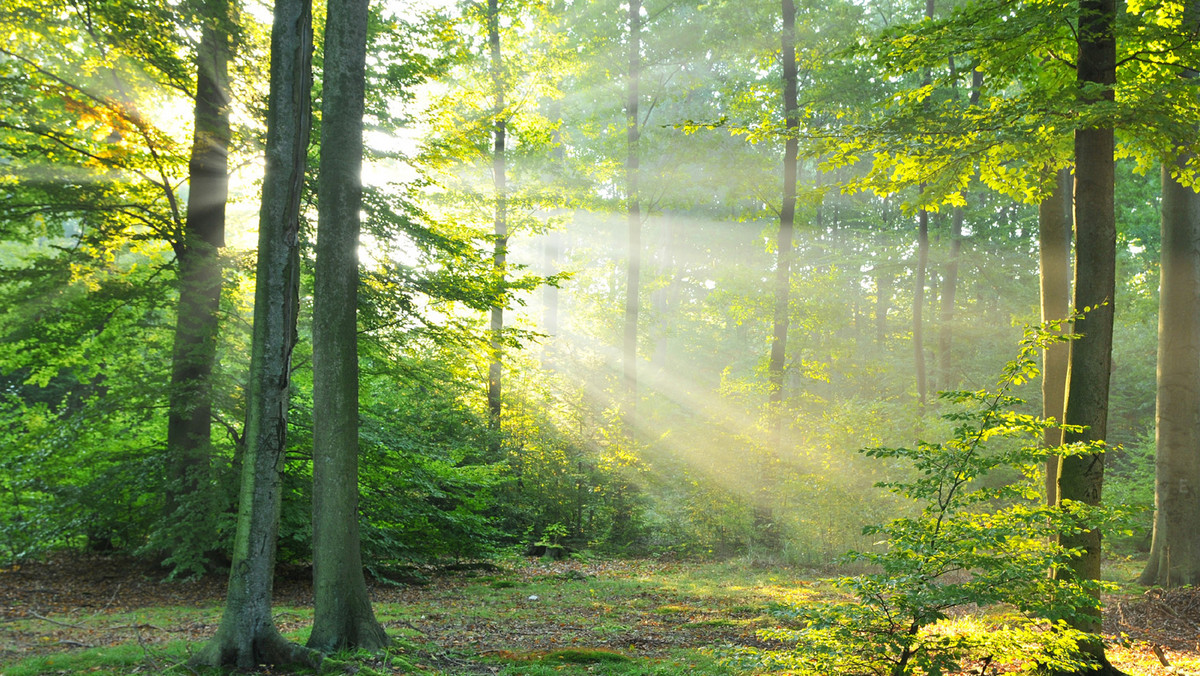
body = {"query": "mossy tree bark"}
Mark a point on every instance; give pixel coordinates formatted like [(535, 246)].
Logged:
[(247, 636), (342, 610)]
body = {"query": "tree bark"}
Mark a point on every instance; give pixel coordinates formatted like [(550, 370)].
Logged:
[(634, 216), (500, 251), (247, 636), (1054, 264), (1081, 477), (342, 610), (919, 286), (189, 418), (947, 379), (1175, 549), (919, 305), (787, 224)]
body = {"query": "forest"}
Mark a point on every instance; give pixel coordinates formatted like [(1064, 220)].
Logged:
[(898, 301)]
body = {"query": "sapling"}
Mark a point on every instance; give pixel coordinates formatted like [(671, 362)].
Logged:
[(971, 543)]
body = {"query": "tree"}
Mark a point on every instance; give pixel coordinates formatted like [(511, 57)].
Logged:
[(500, 247), (1081, 477), (633, 206), (1054, 267), (247, 636), (1175, 548), (189, 422), (342, 615), (787, 222)]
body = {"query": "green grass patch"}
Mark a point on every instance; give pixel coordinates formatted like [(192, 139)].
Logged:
[(586, 656)]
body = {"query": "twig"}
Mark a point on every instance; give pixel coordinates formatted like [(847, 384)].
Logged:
[(75, 643), (46, 619), (110, 600), (137, 626), (1158, 652)]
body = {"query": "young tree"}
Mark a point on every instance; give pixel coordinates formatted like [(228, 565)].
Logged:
[(1054, 265), (247, 636), (343, 615)]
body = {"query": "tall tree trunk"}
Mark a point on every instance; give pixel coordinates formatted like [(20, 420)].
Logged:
[(1081, 477), (247, 636), (1175, 549), (1054, 264), (633, 203), (787, 224), (918, 311), (189, 418), (500, 251), (919, 286), (947, 379), (883, 301), (342, 610)]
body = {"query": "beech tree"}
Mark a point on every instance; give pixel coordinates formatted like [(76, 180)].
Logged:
[(500, 232), (189, 421), (342, 610), (1175, 547), (247, 636), (633, 211), (1081, 477)]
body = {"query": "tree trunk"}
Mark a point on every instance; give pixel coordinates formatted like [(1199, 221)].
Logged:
[(189, 418), (342, 610), (919, 288), (1054, 263), (883, 298), (947, 379), (500, 251), (919, 304), (787, 223), (247, 636), (1175, 549), (1081, 478), (633, 203)]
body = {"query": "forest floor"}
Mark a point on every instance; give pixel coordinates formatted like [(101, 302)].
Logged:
[(74, 614)]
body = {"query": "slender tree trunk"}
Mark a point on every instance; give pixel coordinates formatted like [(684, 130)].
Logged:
[(1175, 549), (787, 224), (247, 636), (500, 251), (342, 610), (1054, 263), (919, 304), (919, 287), (1081, 478), (883, 298), (189, 418), (633, 203), (947, 379)]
